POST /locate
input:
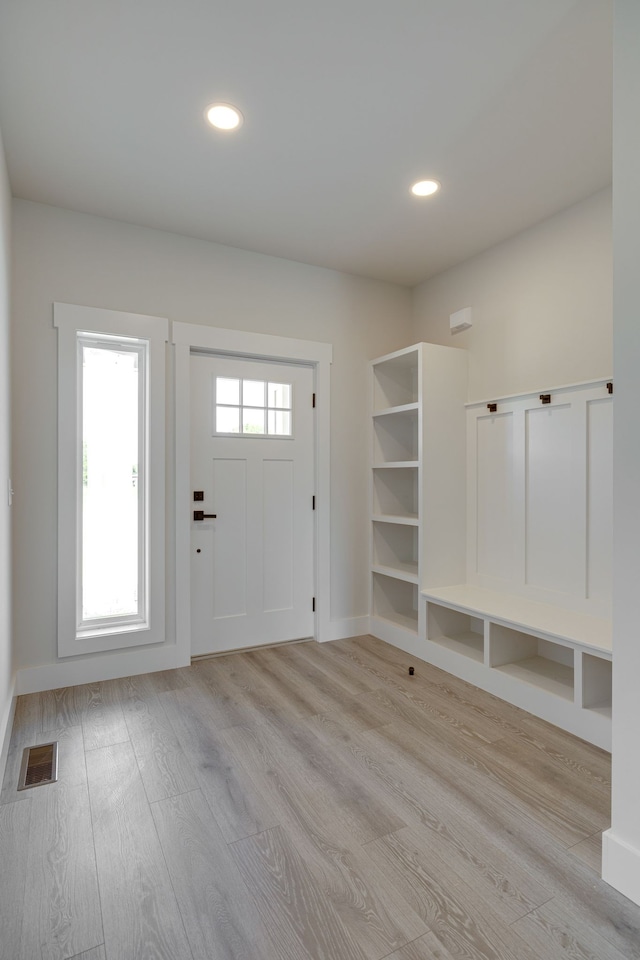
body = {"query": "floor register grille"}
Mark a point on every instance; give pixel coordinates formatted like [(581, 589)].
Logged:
[(39, 766)]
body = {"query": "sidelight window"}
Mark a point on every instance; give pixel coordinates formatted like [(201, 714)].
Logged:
[(111, 488), (112, 542)]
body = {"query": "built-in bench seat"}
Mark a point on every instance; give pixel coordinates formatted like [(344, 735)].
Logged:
[(553, 662), (551, 622)]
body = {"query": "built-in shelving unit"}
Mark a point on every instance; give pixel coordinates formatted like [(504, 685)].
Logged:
[(499, 517), (395, 507), (408, 447)]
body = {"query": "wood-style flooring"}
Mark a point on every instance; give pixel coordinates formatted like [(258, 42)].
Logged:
[(305, 802)]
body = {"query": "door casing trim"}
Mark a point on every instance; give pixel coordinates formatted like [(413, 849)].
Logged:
[(238, 343)]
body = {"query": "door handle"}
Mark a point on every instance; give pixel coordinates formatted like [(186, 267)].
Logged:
[(201, 515)]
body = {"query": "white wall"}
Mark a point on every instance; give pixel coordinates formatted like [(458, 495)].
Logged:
[(621, 847), (74, 258), (6, 673), (542, 305)]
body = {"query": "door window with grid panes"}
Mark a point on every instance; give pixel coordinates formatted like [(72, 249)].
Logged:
[(252, 408)]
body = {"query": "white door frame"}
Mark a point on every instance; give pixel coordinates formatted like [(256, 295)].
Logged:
[(257, 346)]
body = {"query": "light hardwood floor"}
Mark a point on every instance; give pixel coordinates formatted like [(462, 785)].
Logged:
[(305, 802)]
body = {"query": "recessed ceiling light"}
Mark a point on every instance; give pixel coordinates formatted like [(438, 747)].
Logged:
[(223, 116), (424, 188)]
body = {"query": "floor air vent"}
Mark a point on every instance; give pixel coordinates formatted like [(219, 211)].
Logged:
[(39, 766)]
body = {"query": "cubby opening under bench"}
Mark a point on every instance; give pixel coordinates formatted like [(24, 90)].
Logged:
[(553, 662)]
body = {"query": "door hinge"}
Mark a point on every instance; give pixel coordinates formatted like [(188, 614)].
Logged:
[(313, 502), (313, 399), (313, 605)]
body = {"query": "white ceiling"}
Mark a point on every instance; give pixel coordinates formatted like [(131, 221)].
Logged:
[(346, 103)]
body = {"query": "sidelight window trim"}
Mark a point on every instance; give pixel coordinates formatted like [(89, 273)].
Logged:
[(77, 325)]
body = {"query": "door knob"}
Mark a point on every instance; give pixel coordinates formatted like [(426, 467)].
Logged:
[(201, 515)]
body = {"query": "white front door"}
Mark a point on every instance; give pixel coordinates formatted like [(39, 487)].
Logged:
[(252, 445)]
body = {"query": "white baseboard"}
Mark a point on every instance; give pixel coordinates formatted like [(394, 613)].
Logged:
[(348, 627), (107, 666), (621, 865), (6, 726), (397, 636)]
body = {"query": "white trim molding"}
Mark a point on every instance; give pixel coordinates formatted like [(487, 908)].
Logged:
[(98, 667), (348, 627), (621, 865), (6, 726), (189, 337), (72, 320)]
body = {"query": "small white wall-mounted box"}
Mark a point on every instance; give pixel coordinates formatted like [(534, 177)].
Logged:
[(460, 320)]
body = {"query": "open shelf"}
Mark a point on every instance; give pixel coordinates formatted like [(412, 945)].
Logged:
[(395, 437), (456, 631), (401, 408), (596, 684), (548, 666), (395, 547), (396, 601), (395, 381), (405, 572), (403, 521), (395, 492)]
